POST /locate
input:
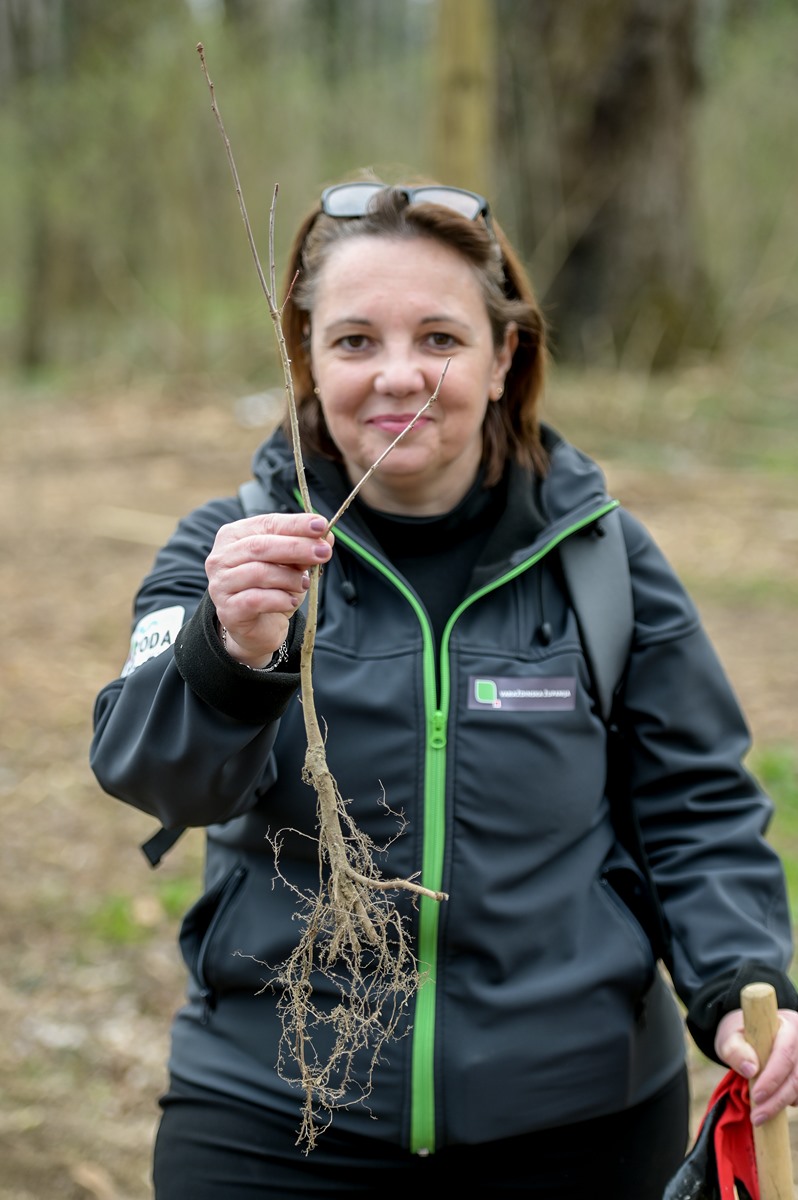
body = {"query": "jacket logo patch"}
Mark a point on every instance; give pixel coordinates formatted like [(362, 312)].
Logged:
[(557, 693), (153, 634)]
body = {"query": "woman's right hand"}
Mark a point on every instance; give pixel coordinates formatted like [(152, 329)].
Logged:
[(258, 573)]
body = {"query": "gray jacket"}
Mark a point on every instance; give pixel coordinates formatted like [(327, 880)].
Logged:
[(544, 1003)]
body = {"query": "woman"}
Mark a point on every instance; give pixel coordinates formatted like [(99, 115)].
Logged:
[(543, 1053)]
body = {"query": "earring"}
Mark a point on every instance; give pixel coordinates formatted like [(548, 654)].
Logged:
[(499, 393), (316, 392)]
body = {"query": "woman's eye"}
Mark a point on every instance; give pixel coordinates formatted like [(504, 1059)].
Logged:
[(353, 341), (441, 341)]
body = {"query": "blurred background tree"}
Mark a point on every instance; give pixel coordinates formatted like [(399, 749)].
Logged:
[(597, 121), (599, 129), (465, 94)]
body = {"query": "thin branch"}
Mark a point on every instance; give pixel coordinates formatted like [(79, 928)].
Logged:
[(231, 161)]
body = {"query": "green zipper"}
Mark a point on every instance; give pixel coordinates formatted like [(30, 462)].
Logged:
[(422, 1097)]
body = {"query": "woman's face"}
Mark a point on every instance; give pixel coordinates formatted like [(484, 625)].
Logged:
[(388, 314)]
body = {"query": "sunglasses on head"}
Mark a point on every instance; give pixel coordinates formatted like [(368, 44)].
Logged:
[(345, 200)]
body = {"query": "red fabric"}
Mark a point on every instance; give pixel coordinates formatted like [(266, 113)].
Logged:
[(734, 1137)]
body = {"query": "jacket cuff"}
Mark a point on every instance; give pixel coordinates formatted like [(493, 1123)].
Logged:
[(722, 995), (255, 697)]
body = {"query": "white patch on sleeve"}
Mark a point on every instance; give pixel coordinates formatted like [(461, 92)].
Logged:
[(153, 634)]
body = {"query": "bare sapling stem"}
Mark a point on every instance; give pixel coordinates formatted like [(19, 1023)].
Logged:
[(353, 933)]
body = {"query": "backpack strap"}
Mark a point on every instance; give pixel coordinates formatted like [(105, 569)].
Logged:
[(596, 568), (252, 495)]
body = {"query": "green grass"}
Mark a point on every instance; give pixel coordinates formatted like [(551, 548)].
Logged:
[(114, 923), (776, 767), (122, 919), (177, 895), (751, 592)]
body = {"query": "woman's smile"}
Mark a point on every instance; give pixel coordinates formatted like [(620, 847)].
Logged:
[(394, 423)]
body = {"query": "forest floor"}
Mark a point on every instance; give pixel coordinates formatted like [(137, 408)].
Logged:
[(89, 970)]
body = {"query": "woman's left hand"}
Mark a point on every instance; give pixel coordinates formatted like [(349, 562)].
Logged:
[(777, 1086)]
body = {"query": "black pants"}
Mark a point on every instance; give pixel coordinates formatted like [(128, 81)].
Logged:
[(211, 1148)]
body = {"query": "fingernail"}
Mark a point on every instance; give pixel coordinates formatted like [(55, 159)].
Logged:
[(321, 550), (318, 525), (748, 1070), (306, 581), (758, 1119)]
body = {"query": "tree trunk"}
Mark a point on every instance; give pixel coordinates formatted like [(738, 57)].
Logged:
[(596, 103), (465, 93), (32, 43)]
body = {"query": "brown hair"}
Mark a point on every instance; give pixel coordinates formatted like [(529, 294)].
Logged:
[(511, 427)]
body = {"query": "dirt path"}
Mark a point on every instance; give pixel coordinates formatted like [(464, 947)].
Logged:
[(88, 966)]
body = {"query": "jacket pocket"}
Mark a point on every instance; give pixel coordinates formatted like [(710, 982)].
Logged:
[(630, 892), (200, 931)]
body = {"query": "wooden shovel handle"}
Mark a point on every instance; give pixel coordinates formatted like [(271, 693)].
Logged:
[(771, 1140)]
